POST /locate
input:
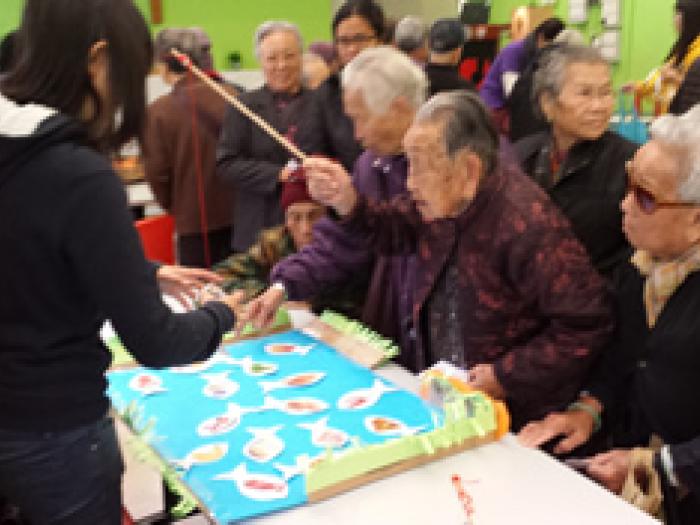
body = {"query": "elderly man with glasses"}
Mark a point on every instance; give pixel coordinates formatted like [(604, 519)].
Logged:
[(503, 288), (647, 389)]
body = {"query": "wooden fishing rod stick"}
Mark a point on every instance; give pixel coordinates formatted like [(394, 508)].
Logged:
[(240, 106)]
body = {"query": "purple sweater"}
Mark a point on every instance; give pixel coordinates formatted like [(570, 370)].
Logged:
[(337, 256), (508, 60)]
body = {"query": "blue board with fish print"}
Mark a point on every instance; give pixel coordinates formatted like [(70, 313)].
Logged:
[(232, 424)]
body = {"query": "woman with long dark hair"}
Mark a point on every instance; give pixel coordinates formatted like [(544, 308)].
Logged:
[(72, 258), (326, 129), (671, 86)]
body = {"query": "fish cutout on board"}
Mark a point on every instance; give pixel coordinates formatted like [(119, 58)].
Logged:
[(364, 397), (323, 436), (294, 381), (255, 368), (147, 384), (219, 385), (265, 445), (302, 465), (226, 422), (288, 349), (219, 358), (256, 486), (297, 406), (389, 426), (202, 455)]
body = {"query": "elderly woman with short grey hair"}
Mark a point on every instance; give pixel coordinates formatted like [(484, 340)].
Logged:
[(578, 161), (503, 288), (647, 384), (250, 161)]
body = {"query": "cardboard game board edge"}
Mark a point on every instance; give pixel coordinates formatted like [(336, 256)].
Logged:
[(396, 468)]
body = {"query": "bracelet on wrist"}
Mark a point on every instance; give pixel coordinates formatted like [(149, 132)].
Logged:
[(585, 407)]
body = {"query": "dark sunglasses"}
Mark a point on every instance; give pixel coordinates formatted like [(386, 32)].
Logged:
[(648, 203)]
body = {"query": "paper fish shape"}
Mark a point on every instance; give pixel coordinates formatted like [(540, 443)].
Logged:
[(201, 366), (287, 349), (301, 466), (298, 406), (265, 444), (388, 426), (364, 397), (323, 436), (255, 368), (219, 385), (226, 422), (293, 381), (208, 453), (260, 487), (147, 384)]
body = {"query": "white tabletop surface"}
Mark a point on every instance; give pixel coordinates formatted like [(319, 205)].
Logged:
[(510, 485)]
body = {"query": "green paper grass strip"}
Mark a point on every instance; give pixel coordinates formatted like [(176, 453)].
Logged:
[(357, 329)]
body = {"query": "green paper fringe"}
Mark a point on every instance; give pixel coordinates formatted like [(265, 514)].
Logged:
[(356, 329)]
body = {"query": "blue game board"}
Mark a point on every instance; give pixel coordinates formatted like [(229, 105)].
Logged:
[(181, 407)]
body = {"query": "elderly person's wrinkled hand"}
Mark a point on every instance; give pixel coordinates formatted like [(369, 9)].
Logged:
[(182, 283), (483, 377), (261, 311), (574, 427), (330, 184), (610, 469)]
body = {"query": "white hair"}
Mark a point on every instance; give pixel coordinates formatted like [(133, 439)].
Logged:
[(570, 37), (383, 74), (683, 132), (272, 26), (410, 33)]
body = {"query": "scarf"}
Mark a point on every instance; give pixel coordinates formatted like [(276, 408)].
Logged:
[(663, 278)]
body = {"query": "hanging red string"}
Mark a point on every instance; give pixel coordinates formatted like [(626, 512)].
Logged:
[(199, 172)]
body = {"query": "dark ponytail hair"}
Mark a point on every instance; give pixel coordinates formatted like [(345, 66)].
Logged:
[(50, 65), (690, 29)]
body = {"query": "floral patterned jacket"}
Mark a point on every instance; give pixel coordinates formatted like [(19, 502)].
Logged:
[(531, 303)]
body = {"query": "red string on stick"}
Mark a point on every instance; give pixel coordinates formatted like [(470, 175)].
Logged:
[(464, 498), (201, 195)]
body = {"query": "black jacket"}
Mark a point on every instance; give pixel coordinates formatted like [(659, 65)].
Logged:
[(590, 186), (688, 92), (648, 382), (250, 161), (445, 78), (326, 129), (72, 259)]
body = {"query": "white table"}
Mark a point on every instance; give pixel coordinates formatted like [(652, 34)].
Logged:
[(512, 485)]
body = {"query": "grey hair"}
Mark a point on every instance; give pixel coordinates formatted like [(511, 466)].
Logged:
[(383, 74), (184, 40), (683, 132), (467, 124), (550, 75), (273, 26), (570, 37), (410, 33)]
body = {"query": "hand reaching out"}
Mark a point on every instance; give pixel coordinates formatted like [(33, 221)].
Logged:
[(330, 184)]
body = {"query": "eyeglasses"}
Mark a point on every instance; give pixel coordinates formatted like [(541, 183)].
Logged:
[(648, 203), (354, 39)]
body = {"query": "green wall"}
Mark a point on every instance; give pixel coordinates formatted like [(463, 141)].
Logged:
[(647, 31), (230, 23)]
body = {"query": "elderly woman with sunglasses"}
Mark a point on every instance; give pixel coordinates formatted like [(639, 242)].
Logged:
[(648, 383), (578, 161)]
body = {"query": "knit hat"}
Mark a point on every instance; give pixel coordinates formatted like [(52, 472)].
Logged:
[(294, 190), (446, 34)]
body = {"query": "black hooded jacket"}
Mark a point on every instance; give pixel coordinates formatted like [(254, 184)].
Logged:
[(71, 259)]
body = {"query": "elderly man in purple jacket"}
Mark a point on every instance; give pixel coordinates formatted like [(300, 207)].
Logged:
[(382, 91), (503, 287)]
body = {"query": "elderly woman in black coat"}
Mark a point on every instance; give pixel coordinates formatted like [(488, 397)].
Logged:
[(578, 161), (248, 158), (646, 390)]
